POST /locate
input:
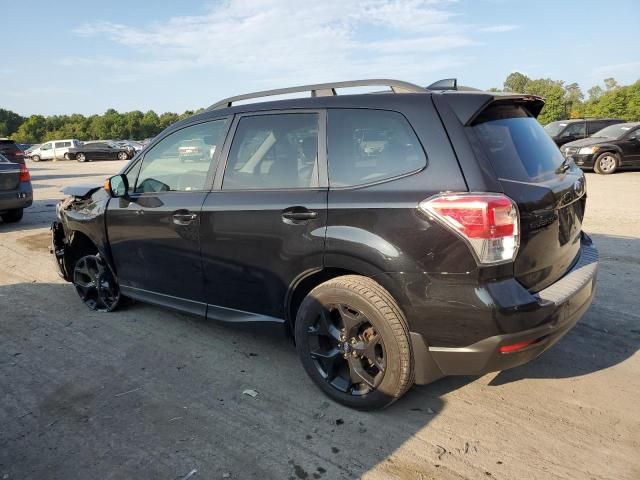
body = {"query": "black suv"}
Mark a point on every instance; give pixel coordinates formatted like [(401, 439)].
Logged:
[(400, 236), (614, 147), (565, 131)]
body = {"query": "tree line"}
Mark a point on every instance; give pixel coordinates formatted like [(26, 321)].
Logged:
[(133, 125), (566, 100), (563, 100)]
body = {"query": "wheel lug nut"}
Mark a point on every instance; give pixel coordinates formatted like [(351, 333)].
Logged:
[(354, 353), (353, 341)]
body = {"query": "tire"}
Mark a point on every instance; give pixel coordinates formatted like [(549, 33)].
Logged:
[(351, 328), (606, 163), (123, 156), (81, 157), (96, 284), (13, 216), (35, 158), (66, 156)]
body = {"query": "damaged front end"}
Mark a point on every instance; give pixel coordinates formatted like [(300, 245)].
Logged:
[(79, 227)]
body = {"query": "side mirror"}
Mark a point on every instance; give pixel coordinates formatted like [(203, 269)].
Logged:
[(117, 186)]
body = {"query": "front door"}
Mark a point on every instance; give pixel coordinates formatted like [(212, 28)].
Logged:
[(264, 224), (46, 151), (631, 148), (154, 231)]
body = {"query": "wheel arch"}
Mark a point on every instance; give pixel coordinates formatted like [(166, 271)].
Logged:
[(307, 281)]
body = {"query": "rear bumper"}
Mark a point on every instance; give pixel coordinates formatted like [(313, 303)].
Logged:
[(565, 301), (20, 198)]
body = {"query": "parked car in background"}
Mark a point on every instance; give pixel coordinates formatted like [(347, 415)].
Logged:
[(54, 150), (614, 147), (132, 145), (100, 150), (16, 192), (193, 150), (565, 131), (446, 241)]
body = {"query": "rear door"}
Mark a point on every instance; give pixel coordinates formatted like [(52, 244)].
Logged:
[(264, 224), (154, 231), (550, 195)]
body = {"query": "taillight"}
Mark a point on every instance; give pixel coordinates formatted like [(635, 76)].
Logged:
[(19, 153), (488, 222), (24, 173)]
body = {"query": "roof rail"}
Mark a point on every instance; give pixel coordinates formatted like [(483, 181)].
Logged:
[(323, 90)]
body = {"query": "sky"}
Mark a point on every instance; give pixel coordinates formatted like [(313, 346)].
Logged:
[(86, 56)]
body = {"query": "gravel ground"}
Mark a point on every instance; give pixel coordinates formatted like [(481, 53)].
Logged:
[(148, 393)]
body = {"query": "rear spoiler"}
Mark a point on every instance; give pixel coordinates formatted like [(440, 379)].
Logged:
[(467, 105)]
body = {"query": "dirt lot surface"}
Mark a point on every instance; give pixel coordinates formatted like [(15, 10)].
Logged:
[(148, 393)]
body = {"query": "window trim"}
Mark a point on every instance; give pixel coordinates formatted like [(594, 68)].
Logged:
[(208, 184), (382, 180), (322, 151)]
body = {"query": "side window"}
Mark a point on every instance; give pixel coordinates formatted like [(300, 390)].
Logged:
[(181, 161), (634, 135), (274, 151), (366, 146), (46, 146), (577, 128), (593, 127)]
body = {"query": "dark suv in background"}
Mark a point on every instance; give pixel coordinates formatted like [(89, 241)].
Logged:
[(401, 236), (16, 192), (565, 131), (614, 147)]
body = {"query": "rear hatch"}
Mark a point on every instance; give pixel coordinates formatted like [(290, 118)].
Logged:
[(9, 175), (550, 194)]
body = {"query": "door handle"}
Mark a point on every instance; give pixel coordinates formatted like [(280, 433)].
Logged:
[(298, 214), (184, 218)]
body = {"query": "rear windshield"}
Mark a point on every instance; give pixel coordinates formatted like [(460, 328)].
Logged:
[(516, 144)]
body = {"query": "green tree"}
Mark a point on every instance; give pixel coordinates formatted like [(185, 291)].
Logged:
[(32, 130), (595, 92), (9, 122), (516, 82), (610, 83)]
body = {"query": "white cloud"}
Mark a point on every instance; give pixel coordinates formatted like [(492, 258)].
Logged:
[(605, 71), (499, 28), (280, 39)]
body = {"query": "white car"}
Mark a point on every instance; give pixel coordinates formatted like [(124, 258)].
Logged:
[(54, 150)]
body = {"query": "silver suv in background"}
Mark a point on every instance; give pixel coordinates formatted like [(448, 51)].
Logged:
[(54, 150)]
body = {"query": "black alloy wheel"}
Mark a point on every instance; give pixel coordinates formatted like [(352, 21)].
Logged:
[(353, 341), (96, 284), (347, 350)]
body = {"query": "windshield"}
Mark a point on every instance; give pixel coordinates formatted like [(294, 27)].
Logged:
[(554, 128), (516, 144), (613, 131)]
